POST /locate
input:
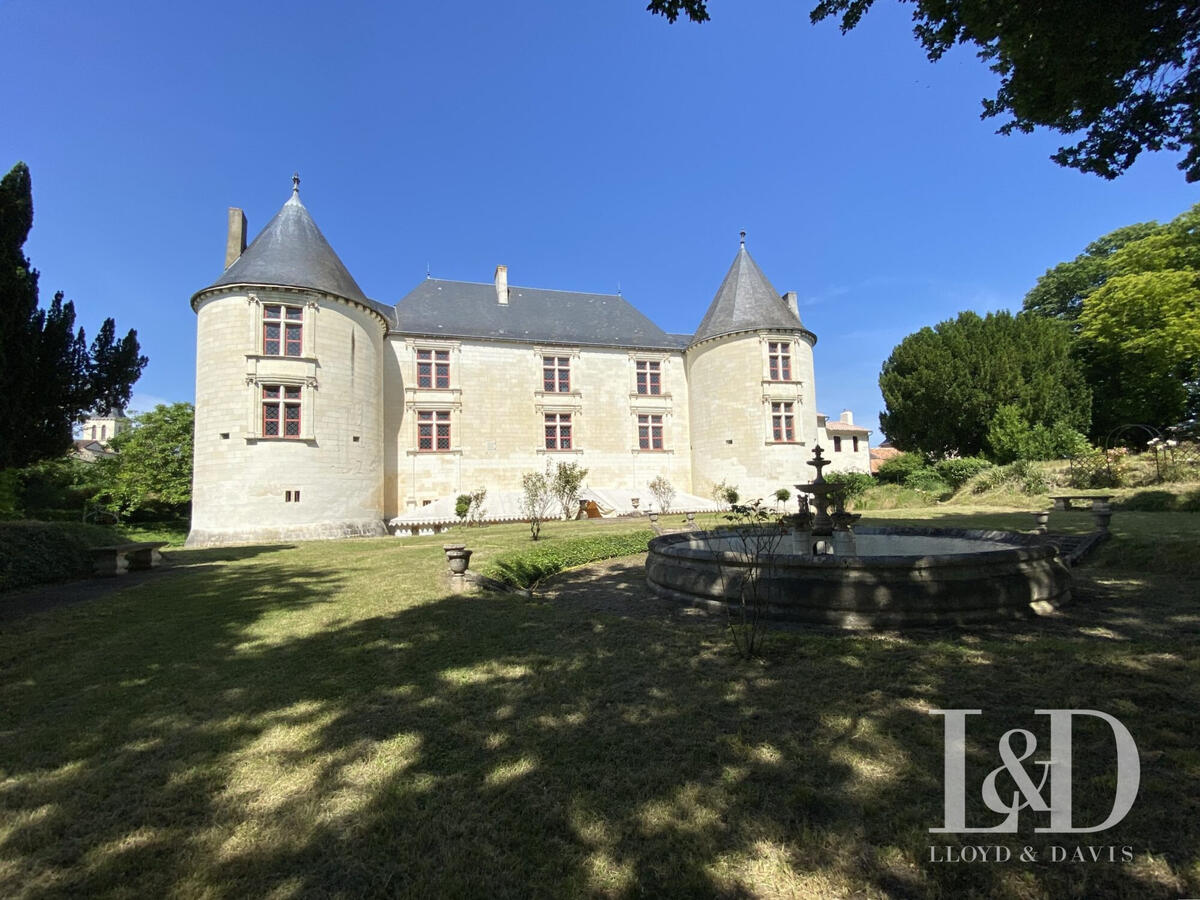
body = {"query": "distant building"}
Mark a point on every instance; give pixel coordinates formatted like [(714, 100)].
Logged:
[(95, 434), (323, 413)]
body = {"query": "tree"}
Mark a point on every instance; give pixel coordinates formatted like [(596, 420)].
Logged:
[(49, 376), (153, 465), (943, 385), (1133, 301), (565, 484), (1122, 73), (536, 497)]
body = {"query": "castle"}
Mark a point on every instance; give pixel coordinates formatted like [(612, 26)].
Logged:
[(323, 413)]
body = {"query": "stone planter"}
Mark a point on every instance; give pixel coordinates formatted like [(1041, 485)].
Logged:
[(691, 520), (1041, 520), (653, 518), (634, 501), (458, 557)]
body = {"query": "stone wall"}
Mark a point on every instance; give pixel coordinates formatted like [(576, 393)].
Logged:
[(497, 407), (731, 397), (329, 481)]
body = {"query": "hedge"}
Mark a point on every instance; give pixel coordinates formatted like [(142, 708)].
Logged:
[(44, 552), (527, 567)]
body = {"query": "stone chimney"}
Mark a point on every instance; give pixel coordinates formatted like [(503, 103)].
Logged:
[(846, 418), (235, 243), (793, 302), (502, 285)]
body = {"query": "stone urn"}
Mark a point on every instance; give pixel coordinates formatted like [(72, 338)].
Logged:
[(1103, 513), (458, 557), (691, 519), (653, 517), (1041, 519), (634, 501)]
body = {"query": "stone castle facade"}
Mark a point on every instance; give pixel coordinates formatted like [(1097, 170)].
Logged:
[(322, 413)]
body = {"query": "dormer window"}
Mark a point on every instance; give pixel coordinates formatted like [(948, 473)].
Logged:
[(779, 360), (283, 330)]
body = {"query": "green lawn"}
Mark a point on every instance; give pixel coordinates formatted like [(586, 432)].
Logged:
[(326, 719)]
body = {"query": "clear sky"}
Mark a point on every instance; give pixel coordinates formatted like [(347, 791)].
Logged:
[(585, 145)]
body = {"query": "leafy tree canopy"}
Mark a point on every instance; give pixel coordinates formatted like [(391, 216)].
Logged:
[(1123, 74), (1133, 299), (49, 375), (943, 385), (153, 465)]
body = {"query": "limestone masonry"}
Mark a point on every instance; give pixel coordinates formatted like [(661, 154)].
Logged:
[(321, 413)]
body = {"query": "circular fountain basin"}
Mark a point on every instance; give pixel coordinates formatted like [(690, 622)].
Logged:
[(896, 577)]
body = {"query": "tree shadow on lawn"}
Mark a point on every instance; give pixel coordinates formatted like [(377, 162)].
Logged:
[(468, 745)]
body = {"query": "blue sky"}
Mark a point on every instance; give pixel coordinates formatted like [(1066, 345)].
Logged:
[(586, 146)]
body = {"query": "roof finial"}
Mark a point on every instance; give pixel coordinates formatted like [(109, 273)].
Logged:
[(295, 182), (743, 236)]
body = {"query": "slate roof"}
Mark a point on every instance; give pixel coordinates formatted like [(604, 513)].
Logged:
[(291, 251), (463, 309), (746, 301)]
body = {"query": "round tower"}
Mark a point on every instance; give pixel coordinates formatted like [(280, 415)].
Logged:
[(750, 387), (289, 392)]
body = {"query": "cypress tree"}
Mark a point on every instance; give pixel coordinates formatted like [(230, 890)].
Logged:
[(48, 375)]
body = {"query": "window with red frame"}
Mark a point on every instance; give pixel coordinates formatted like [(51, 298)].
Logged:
[(780, 357), (649, 377), (433, 429), (558, 431), (281, 410), (650, 432), (782, 423), (433, 368), (283, 330), (556, 374)]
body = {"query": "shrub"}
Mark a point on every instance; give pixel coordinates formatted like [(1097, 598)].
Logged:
[(957, 472), (1012, 438), (527, 568), (927, 481), (897, 469), (462, 505), (664, 493), (725, 493), (44, 552), (853, 484), (783, 495)]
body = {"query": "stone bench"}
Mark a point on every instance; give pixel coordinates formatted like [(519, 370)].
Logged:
[(1063, 501), (117, 559)]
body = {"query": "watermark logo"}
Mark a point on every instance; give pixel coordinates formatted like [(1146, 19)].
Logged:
[(1047, 790)]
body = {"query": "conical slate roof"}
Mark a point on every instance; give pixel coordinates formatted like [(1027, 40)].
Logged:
[(746, 301), (292, 251)]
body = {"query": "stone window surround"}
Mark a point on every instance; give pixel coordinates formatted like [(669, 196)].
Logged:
[(436, 358), (658, 409), (770, 414), (558, 425), (412, 407), (765, 341), (455, 348), (542, 395), (308, 325), (650, 425), (560, 404), (254, 419)]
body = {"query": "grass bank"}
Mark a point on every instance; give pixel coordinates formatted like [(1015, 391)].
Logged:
[(325, 719)]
